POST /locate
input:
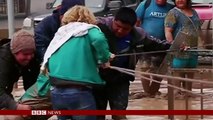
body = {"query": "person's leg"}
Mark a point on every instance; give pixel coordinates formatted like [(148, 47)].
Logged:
[(146, 84), (145, 67), (155, 64), (101, 98), (154, 87), (31, 98), (177, 83), (118, 98), (188, 85), (178, 63), (191, 63), (73, 99)]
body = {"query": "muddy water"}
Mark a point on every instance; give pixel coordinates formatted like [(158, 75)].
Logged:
[(157, 103), (160, 103)]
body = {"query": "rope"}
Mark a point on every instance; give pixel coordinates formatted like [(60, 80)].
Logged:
[(146, 78), (165, 51), (164, 76)]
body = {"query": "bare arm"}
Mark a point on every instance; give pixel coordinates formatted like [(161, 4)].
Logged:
[(201, 38), (168, 34)]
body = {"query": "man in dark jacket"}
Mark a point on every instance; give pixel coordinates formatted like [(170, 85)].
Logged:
[(124, 38), (14, 59), (47, 28)]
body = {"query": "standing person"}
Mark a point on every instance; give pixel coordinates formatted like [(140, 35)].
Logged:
[(44, 33), (14, 58), (183, 18), (47, 28), (73, 78), (151, 15), (123, 37)]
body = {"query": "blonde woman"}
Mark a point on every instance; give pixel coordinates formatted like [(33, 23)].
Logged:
[(73, 57)]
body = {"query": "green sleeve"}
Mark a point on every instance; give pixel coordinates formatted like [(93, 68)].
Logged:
[(99, 42)]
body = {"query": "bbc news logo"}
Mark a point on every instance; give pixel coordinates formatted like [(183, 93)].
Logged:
[(39, 112), (46, 112)]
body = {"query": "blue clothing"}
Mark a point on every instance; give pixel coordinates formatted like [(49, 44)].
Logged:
[(123, 45), (179, 22), (191, 62), (45, 32), (116, 90), (190, 25), (140, 42), (153, 18), (73, 99)]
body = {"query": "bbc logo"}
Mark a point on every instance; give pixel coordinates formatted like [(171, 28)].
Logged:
[(39, 112)]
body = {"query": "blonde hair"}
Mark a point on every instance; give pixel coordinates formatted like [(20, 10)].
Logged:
[(78, 14)]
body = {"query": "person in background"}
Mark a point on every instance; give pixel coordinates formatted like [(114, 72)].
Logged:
[(14, 58), (123, 38), (44, 33), (183, 18), (47, 28), (73, 78), (151, 15)]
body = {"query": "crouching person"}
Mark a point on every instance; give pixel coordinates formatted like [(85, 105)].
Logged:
[(14, 58), (37, 97)]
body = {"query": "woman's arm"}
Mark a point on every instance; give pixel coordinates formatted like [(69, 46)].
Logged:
[(168, 34)]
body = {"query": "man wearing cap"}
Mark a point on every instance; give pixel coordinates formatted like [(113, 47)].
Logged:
[(14, 58), (47, 28)]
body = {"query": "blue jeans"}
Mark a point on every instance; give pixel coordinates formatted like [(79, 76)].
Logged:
[(73, 99)]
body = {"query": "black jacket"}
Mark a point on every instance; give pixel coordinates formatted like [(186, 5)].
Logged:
[(10, 71), (141, 42), (45, 32)]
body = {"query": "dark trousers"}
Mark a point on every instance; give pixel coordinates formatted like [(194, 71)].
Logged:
[(116, 95)]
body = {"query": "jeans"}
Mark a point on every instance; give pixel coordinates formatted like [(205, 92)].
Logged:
[(73, 99), (116, 95)]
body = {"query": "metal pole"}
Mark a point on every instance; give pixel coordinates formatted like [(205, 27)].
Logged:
[(170, 95), (27, 7), (10, 12)]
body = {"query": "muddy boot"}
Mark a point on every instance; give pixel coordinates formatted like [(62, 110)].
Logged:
[(119, 117)]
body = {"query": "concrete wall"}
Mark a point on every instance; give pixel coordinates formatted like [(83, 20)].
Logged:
[(39, 5)]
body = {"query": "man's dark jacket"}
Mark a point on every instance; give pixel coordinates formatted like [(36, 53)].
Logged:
[(140, 42), (45, 32), (10, 71)]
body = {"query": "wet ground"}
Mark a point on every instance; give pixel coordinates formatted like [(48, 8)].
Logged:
[(158, 103)]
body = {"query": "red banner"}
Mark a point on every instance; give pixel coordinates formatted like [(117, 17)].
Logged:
[(106, 112)]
